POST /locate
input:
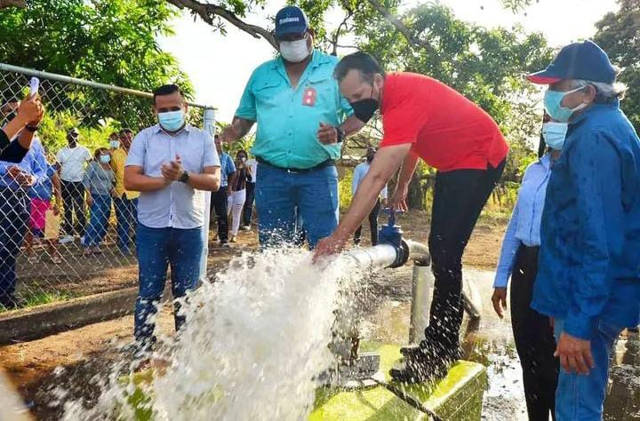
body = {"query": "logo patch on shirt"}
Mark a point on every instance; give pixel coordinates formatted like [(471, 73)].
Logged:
[(309, 97)]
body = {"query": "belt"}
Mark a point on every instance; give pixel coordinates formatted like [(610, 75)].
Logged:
[(324, 164)]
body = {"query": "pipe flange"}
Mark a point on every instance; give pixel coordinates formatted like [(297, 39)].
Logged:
[(402, 255)]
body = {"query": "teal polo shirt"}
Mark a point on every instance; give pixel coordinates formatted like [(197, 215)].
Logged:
[(288, 119)]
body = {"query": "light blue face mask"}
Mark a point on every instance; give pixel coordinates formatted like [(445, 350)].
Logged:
[(554, 134), (105, 159), (171, 121), (553, 105)]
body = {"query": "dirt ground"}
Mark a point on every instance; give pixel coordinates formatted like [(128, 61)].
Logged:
[(86, 350)]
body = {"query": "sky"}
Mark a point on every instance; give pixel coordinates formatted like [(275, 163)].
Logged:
[(220, 65)]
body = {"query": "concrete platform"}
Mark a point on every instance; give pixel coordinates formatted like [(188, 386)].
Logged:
[(457, 397)]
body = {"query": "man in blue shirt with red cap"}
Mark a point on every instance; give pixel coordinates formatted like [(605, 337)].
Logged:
[(589, 267), (302, 120)]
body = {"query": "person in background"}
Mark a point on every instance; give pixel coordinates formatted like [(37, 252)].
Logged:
[(125, 201), (302, 120), (532, 331), (114, 141), (15, 182), (247, 212), (358, 175), (28, 116), (238, 192), (425, 119), (72, 160), (220, 200), (99, 182), (171, 207), (41, 195), (588, 280)]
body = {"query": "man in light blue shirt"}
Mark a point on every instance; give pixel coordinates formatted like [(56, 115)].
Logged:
[(171, 164), (15, 183), (219, 198), (358, 175), (301, 118)]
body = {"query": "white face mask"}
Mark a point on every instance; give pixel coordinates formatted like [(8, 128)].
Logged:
[(294, 51)]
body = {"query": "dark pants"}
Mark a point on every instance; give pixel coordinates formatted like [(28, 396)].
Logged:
[(14, 215), (458, 199), (534, 339), (158, 248), (127, 217), (247, 212), (73, 199), (373, 224), (219, 207)]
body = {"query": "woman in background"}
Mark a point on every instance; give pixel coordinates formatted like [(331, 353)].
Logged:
[(238, 192), (41, 195), (532, 331), (99, 182)]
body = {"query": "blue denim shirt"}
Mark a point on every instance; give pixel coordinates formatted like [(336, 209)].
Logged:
[(227, 167), (524, 226), (34, 163), (43, 189), (288, 119), (589, 266)]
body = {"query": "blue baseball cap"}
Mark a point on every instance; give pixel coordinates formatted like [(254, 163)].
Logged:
[(290, 20), (581, 60)]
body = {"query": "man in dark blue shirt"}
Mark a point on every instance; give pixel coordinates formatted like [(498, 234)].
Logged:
[(589, 268)]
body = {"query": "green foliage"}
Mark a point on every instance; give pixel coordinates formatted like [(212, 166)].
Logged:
[(108, 41), (618, 36)]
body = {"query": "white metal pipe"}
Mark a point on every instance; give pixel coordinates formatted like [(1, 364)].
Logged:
[(422, 284), (381, 255)]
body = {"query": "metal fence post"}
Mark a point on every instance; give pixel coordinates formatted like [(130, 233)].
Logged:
[(210, 127)]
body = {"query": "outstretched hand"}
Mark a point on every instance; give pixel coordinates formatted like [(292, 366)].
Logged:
[(328, 246)]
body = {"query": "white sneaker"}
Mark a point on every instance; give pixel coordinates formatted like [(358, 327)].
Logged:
[(66, 239)]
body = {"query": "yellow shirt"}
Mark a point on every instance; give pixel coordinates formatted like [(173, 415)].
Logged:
[(118, 159)]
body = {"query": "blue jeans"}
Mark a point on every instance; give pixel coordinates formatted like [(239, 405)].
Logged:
[(581, 397), (127, 216), (159, 248), (279, 192), (14, 215), (99, 220)]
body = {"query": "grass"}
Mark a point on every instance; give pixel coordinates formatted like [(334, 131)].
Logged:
[(40, 298)]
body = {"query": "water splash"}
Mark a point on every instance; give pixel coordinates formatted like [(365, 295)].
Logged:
[(255, 341)]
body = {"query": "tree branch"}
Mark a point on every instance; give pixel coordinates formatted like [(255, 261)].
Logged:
[(401, 27), (12, 3), (207, 12)]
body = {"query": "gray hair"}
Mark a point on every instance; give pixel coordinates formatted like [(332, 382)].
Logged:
[(605, 92)]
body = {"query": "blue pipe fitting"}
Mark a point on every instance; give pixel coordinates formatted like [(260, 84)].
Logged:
[(391, 234)]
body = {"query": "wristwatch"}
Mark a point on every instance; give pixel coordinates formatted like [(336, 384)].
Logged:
[(184, 178), (341, 134), (31, 128)]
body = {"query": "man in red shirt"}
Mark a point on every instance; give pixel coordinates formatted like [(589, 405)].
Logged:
[(423, 118)]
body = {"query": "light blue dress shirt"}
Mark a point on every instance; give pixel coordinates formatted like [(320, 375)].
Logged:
[(358, 175), (178, 205), (288, 119), (34, 163), (524, 226)]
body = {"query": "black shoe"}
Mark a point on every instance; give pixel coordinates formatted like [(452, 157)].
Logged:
[(417, 352), (420, 371)]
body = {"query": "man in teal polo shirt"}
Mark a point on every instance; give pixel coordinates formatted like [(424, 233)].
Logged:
[(302, 120)]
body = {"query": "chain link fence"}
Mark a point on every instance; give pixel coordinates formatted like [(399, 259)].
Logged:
[(67, 227)]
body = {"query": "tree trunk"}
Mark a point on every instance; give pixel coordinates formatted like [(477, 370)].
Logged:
[(10, 3), (416, 196)]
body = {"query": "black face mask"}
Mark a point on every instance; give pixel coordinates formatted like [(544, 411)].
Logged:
[(365, 108)]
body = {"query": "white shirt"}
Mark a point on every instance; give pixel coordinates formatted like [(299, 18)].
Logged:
[(178, 205), (253, 166), (72, 162), (358, 175)]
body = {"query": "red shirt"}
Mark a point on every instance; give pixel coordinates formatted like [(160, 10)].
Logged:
[(446, 129)]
